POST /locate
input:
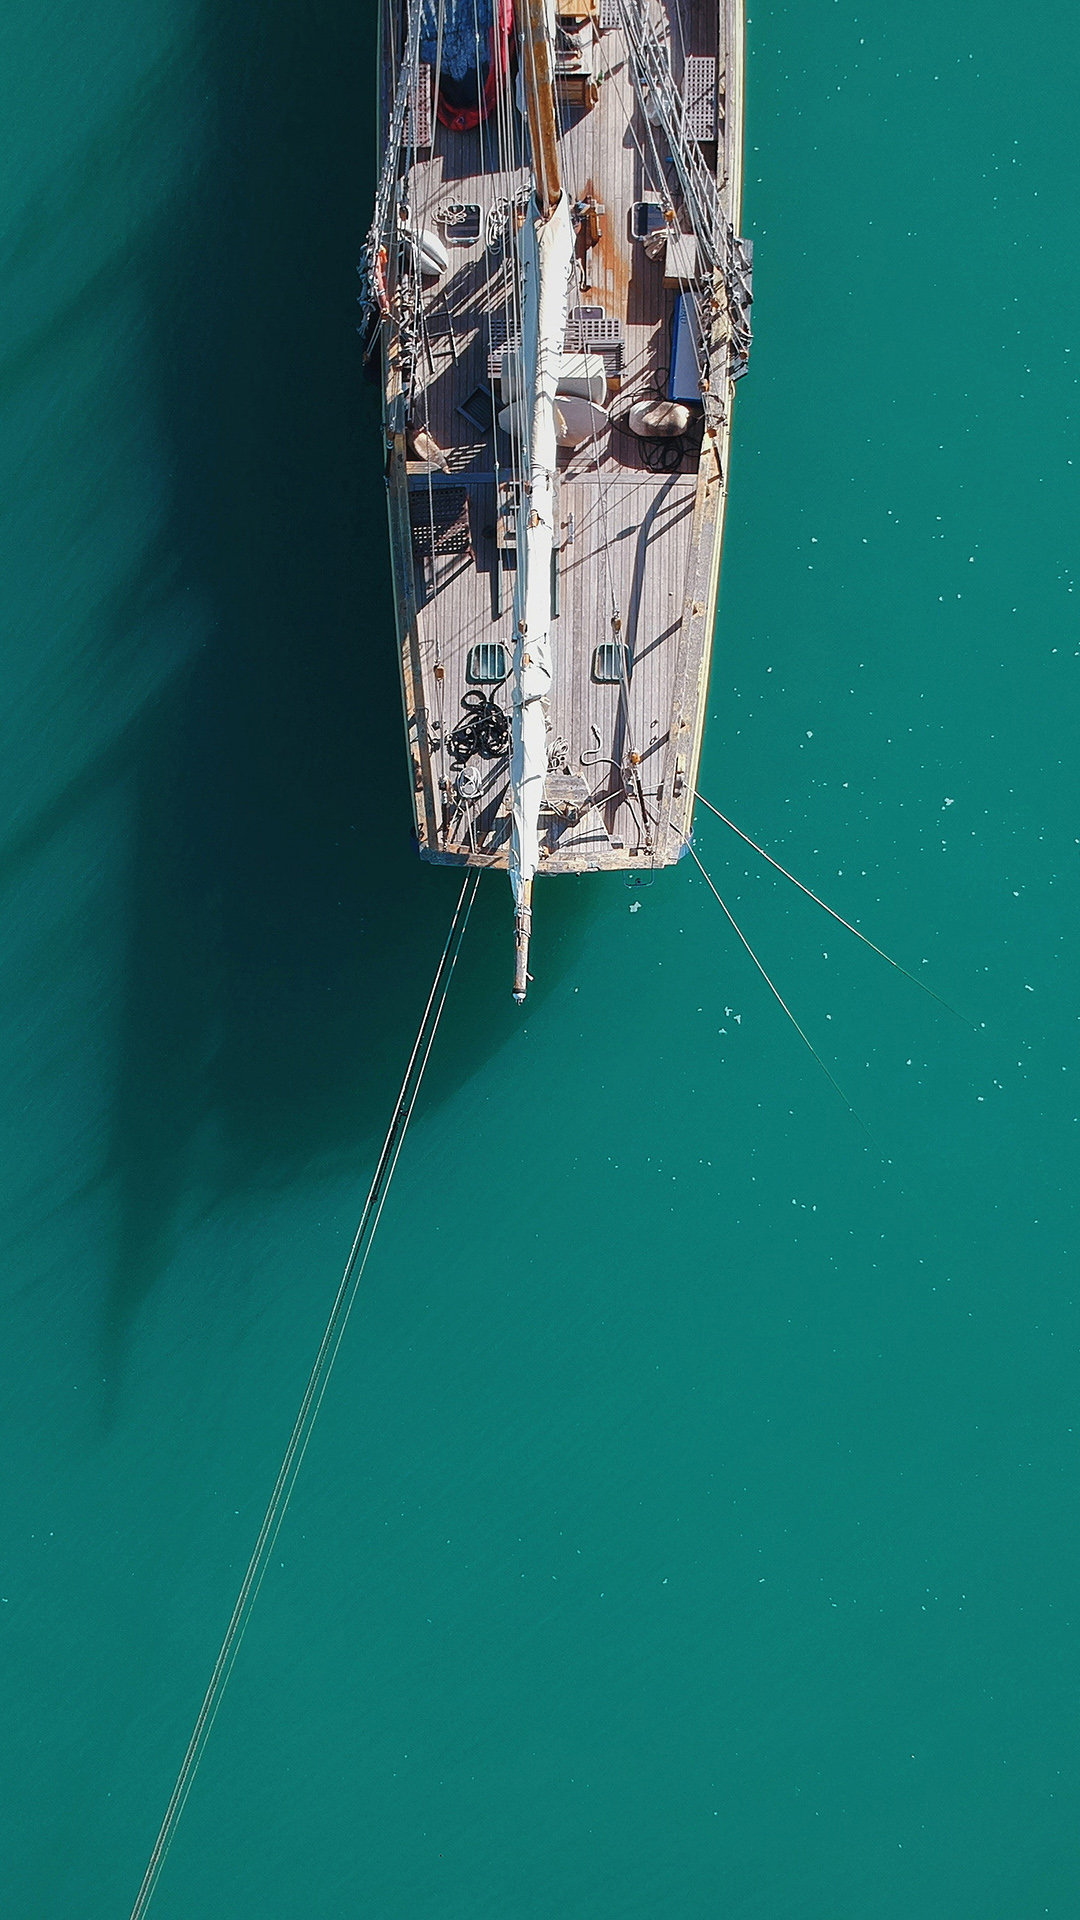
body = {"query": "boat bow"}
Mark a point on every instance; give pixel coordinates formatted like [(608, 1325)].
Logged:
[(547, 251)]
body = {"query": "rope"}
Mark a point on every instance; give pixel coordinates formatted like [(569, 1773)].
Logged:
[(836, 916), (484, 728), (775, 990), (313, 1395)]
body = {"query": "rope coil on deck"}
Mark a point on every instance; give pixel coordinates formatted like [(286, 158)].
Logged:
[(314, 1392)]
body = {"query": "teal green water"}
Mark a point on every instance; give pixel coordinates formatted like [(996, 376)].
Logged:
[(692, 1525)]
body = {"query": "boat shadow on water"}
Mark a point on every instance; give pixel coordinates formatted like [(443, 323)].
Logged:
[(283, 931)]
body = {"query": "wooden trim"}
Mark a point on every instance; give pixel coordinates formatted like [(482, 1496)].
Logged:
[(539, 86), (397, 501)]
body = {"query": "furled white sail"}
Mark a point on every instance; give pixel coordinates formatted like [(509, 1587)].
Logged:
[(547, 249)]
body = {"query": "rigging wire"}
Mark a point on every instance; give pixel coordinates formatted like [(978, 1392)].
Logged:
[(314, 1392), (701, 293), (775, 990), (433, 177), (502, 221), (836, 916), (420, 218), (500, 164)]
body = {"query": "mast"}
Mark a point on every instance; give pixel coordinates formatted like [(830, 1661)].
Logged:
[(546, 246), (536, 27)]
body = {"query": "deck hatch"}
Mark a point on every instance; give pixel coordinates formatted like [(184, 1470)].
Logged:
[(609, 662), (487, 663), (478, 410), (462, 222)]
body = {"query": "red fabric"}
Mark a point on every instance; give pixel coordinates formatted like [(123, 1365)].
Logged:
[(461, 119)]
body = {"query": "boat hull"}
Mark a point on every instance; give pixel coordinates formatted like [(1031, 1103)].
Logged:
[(640, 525)]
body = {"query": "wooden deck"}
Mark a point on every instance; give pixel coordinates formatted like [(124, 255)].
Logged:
[(639, 550)]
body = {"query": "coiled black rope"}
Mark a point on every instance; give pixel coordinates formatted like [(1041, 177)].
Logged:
[(664, 456), (660, 453), (484, 729)]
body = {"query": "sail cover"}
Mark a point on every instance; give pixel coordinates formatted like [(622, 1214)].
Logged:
[(547, 251), (472, 58)]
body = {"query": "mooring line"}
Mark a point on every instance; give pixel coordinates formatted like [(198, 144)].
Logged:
[(773, 989), (913, 977), (313, 1395)]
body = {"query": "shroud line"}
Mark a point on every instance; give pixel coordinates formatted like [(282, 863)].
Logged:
[(913, 977), (313, 1395), (780, 997)]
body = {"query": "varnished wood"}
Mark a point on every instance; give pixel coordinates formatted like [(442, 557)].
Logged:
[(539, 82)]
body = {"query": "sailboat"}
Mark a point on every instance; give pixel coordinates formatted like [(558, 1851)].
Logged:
[(559, 299)]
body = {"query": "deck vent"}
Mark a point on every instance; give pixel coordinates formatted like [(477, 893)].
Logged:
[(700, 90), (440, 522), (609, 663), (609, 16), (498, 338), (590, 332), (416, 131), (487, 663)]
